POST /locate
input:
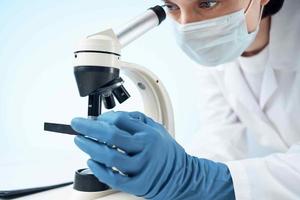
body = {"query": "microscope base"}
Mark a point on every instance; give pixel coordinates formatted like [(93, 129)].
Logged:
[(68, 193), (106, 195)]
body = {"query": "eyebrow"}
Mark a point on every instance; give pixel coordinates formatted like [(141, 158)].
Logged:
[(167, 1), (164, 1)]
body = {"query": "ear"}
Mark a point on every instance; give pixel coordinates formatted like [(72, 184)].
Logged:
[(264, 2)]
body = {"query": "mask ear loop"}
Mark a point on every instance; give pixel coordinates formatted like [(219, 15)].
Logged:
[(261, 11), (261, 14), (249, 6)]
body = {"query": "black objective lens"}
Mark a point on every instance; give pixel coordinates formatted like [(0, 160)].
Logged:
[(109, 101), (121, 94), (94, 108)]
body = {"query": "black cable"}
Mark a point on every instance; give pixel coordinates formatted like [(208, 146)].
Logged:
[(11, 194)]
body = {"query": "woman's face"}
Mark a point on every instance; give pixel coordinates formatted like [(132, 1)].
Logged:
[(187, 11)]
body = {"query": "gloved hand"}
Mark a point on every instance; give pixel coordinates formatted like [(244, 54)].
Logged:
[(156, 166)]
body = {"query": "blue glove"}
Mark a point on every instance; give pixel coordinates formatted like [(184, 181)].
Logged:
[(155, 165)]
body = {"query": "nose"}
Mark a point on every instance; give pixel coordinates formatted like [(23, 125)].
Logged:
[(187, 16)]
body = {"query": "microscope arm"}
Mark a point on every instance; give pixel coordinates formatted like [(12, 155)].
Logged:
[(157, 103)]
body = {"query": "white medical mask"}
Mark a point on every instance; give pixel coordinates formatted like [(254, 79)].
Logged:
[(216, 41)]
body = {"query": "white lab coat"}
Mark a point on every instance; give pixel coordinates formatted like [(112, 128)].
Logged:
[(257, 137)]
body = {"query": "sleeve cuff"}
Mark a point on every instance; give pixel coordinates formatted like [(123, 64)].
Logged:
[(241, 182)]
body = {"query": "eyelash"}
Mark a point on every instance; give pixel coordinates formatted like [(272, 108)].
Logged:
[(171, 7), (209, 4)]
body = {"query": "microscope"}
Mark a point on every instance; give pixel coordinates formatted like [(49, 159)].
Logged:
[(97, 71)]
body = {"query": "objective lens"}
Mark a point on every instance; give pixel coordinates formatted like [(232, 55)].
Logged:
[(121, 94), (109, 101)]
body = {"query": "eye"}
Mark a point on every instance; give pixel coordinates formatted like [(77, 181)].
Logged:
[(171, 7), (207, 4)]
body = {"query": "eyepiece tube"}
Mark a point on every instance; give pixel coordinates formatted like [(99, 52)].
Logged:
[(140, 25)]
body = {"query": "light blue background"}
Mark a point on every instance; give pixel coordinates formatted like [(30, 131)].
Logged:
[(37, 40)]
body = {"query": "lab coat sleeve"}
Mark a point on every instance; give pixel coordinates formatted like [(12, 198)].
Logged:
[(273, 177), (220, 136)]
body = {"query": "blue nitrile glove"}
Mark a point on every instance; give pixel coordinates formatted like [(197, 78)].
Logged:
[(157, 167)]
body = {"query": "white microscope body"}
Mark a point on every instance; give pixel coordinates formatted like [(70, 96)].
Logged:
[(103, 50)]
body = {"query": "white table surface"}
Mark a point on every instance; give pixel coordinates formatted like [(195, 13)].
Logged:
[(67, 193)]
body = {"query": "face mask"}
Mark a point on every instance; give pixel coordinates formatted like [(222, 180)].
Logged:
[(215, 41)]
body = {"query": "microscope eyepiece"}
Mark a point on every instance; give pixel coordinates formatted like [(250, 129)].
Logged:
[(140, 25), (160, 12)]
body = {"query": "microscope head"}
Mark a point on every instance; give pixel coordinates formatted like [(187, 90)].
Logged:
[(97, 59), (97, 68)]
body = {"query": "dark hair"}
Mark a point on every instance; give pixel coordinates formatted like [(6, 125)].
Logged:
[(272, 7)]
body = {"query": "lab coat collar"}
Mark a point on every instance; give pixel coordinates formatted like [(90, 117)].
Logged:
[(239, 89), (268, 87), (245, 105), (279, 59), (261, 64)]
